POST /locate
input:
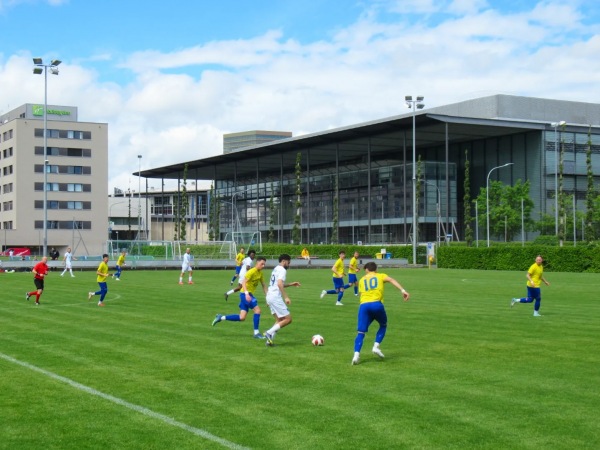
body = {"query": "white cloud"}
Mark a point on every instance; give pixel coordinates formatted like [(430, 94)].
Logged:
[(177, 105)]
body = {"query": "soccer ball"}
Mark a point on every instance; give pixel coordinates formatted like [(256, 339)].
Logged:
[(317, 340)]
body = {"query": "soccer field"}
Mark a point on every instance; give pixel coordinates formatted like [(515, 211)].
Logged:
[(148, 371)]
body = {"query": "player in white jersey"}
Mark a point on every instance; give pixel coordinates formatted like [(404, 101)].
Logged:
[(277, 298), (68, 258), (186, 266), (247, 264)]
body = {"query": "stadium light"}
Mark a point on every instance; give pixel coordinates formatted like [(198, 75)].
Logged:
[(414, 105), (40, 68), (487, 198), (555, 125)]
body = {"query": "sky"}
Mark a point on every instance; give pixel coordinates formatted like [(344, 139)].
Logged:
[(170, 78)]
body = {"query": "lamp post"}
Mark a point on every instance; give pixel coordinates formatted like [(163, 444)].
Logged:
[(40, 68), (487, 198), (414, 105), (555, 125), (139, 195)]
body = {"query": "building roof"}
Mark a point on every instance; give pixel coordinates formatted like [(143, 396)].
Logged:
[(475, 119)]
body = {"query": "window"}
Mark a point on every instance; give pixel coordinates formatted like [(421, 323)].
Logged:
[(7, 188), (74, 205), (7, 206), (64, 187), (74, 187), (64, 224), (62, 134), (8, 225), (8, 170), (77, 170), (8, 152)]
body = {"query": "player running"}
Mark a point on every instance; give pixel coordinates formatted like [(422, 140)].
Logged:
[(353, 270), (40, 270), (239, 258), (338, 279), (120, 264), (247, 300), (371, 287), (277, 299), (246, 265)]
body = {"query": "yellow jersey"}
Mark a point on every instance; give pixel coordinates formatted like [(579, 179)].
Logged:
[(253, 277), (239, 258), (102, 268), (121, 260), (535, 272), (353, 266), (338, 269), (371, 287)]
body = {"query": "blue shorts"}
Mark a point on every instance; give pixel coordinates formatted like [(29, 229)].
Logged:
[(247, 306), (368, 312), (534, 293), (237, 269), (352, 278), (338, 283)]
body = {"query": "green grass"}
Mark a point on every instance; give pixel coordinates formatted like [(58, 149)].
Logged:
[(462, 369)]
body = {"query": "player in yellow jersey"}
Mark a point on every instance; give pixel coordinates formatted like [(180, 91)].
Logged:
[(248, 302), (238, 264), (338, 279), (535, 277), (353, 270), (120, 264), (101, 275), (371, 288)]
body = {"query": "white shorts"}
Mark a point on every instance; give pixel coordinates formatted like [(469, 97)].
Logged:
[(186, 267), (278, 306), (68, 265)]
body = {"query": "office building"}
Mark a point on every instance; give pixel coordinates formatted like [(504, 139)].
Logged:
[(234, 142), (77, 177)]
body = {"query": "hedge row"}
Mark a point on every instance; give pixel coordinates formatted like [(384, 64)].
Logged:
[(515, 257)]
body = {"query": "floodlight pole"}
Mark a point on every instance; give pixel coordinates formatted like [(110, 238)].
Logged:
[(487, 198), (37, 70), (414, 105)]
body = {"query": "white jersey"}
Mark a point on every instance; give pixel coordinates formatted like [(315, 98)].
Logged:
[(273, 291), (186, 265), (68, 258), (247, 262)]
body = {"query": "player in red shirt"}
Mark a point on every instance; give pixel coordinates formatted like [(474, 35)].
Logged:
[(40, 270)]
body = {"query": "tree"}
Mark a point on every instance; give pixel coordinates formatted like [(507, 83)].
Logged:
[(272, 216), (296, 233), (183, 207), (467, 202), (214, 213), (591, 194), (417, 200), (560, 193), (334, 225), (505, 208)]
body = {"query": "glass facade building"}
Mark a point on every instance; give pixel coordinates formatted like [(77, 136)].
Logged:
[(358, 179)]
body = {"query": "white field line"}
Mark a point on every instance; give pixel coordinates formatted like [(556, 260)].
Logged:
[(145, 411)]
